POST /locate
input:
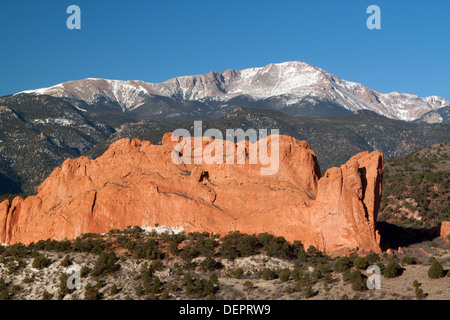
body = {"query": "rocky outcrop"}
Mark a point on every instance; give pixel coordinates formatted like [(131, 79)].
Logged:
[(445, 230), (137, 183)]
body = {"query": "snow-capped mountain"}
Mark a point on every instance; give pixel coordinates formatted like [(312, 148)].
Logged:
[(289, 84)]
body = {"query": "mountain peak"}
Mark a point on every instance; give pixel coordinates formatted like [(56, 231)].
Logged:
[(291, 82)]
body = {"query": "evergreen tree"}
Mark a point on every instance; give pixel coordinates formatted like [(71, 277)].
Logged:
[(156, 285)]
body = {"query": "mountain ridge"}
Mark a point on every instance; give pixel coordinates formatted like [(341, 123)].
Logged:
[(37, 133), (291, 83)]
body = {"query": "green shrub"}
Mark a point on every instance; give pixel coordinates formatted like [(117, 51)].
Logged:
[(189, 265), (156, 285), (276, 246), (114, 289), (407, 260), (228, 245), (316, 274), (157, 265), (172, 287), (304, 281), (436, 270), (91, 293), (189, 252), (238, 273), (247, 245), (164, 296), (203, 243), (54, 245), (85, 270), (351, 276), (328, 278), (40, 262), (268, 274), (146, 274), (46, 295), (313, 252), (431, 260), (392, 270), (418, 290), (149, 250), (17, 250), (359, 283), (139, 290), (151, 296), (285, 275), (105, 264), (309, 292), (342, 264), (4, 295), (200, 287), (299, 250), (66, 262), (419, 294), (63, 288), (297, 273), (2, 284), (289, 289), (381, 266), (209, 288), (361, 262), (209, 264), (173, 248), (86, 243)]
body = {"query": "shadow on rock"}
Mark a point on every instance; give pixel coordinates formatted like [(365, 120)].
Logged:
[(393, 236)]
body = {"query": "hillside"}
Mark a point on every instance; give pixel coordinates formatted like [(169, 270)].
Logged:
[(416, 188), (37, 133), (334, 140), (441, 115), (158, 264)]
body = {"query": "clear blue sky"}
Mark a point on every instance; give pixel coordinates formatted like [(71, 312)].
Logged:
[(157, 40)]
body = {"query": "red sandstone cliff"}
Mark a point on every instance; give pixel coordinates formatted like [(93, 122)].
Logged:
[(445, 230), (136, 183)]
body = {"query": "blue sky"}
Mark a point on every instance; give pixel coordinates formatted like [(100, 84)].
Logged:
[(157, 40)]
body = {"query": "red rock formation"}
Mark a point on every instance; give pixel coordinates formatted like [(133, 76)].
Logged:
[(136, 183), (445, 230)]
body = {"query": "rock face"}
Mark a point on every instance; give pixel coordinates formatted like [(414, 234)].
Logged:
[(137, 183), (445, 230)]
